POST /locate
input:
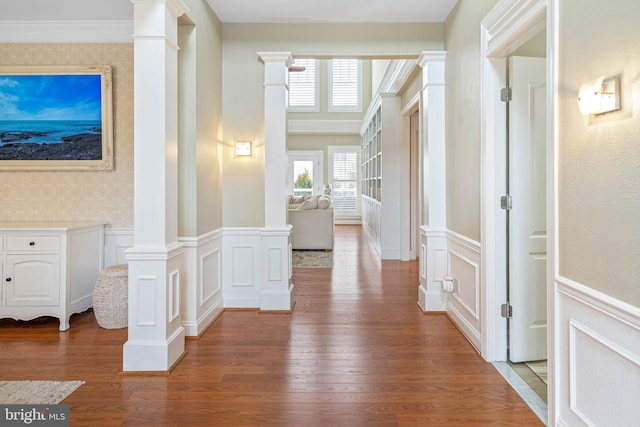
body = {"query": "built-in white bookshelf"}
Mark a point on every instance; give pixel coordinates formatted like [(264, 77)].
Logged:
[(372, 158)]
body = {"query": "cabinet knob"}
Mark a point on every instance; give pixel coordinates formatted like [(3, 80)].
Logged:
[(8, 279), (32, 243)]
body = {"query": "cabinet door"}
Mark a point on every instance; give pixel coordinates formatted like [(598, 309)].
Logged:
[(32, 280)]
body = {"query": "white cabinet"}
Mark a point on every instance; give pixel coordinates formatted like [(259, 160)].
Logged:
[(49, 269)]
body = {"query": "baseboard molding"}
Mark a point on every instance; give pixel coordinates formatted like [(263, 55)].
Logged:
[(597, 364), (197, 327), (467, 329)]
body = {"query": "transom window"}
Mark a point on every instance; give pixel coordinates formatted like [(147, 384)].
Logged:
[(345, 84), (303, 86)]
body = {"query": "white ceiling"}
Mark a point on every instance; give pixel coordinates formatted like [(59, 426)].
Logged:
[(249, 11)]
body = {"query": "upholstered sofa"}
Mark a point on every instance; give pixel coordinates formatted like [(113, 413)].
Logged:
[(312, 221)]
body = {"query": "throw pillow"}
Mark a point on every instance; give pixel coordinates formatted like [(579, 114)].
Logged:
[(324, 202), (310, 203), (296, 200)]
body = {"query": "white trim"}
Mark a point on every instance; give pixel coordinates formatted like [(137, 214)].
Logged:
[(339, 127), (66, 31)]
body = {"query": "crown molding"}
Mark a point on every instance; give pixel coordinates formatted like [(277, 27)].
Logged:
[(66, 31)]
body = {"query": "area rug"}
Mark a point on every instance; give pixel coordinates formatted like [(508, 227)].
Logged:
[(36, 392), (312, 259)]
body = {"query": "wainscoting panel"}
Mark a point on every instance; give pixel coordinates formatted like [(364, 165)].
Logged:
[(116, 243), (463, 304), (145, 312), (242, 267), (174, 295), (598, 364), (202, 300)]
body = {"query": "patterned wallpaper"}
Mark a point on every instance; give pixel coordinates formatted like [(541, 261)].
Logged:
[(77, 195)]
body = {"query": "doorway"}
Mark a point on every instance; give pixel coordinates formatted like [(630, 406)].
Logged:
[(526, 221), (500, 38)]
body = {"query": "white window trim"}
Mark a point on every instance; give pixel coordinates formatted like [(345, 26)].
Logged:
[(338, 109), (311, 108)]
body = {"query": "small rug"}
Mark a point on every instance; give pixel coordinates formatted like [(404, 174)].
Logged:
[(539, 368), (312, 259), (36, 392)]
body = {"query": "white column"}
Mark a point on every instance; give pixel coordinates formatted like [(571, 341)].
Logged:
[(156, 338), (277, 291), (433, 233)]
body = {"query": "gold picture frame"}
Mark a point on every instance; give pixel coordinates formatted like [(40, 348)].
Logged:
[(56, 117)]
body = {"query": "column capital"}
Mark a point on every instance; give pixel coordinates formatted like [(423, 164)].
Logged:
[(432, 64), (176, 7), (284, 57), (427, 57)]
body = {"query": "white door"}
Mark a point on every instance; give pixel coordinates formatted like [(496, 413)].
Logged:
[(527, 217), (305, 173)]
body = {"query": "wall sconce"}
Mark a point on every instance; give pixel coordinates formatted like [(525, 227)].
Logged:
[(243, 149), (599, 96)]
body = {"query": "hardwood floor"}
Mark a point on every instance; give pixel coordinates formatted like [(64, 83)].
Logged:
[(356, 351)]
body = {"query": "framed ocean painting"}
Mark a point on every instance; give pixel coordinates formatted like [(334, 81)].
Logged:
[(56, 117)]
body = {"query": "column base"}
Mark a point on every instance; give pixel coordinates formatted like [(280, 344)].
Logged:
[(277, 301), (153, 356), (434, 301)]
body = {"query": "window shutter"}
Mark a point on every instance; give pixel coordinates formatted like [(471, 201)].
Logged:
[(345, 180), (303, 86), (345, 84)]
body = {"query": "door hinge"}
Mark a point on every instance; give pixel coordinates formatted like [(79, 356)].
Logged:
[(505, 202), (505, 94), (506, 310)]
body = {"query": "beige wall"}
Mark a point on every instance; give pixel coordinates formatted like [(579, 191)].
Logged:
[(200, 75), (462, 39), (77, 195), (599, 156), (243, 98)]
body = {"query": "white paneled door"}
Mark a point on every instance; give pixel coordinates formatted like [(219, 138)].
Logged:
[(527, 217)]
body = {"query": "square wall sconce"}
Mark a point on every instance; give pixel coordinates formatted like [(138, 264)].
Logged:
[(599, 96), (243, 149)]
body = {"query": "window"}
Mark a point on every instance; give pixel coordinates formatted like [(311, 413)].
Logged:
[(344, 170), (305, 172), (303, 86), (345, 93)]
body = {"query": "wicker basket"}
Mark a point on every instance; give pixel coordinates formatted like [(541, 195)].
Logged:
[(111, 296)]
